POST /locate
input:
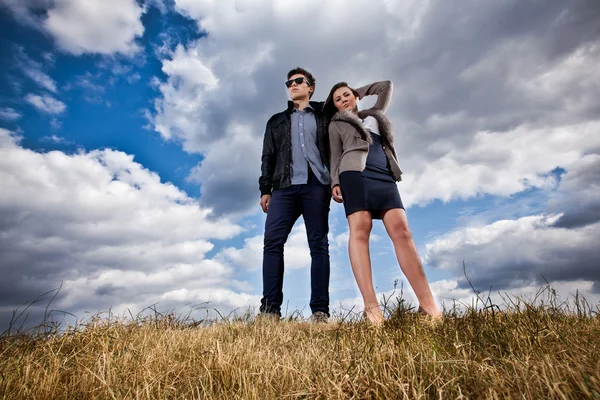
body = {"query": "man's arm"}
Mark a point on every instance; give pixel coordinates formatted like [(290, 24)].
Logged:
[(383, 91), (265, 182)]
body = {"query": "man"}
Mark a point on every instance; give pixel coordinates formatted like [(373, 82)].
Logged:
[(295, 181)]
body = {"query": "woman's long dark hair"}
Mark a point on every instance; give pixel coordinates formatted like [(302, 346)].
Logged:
[(329, 107)]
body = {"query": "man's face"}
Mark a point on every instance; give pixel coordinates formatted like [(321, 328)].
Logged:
[(299, 91)]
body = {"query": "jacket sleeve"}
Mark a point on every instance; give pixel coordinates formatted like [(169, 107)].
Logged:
[(383, 91), (336, 149), (268, 159)]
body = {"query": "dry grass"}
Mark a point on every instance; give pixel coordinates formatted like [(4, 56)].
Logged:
[(525, 351)]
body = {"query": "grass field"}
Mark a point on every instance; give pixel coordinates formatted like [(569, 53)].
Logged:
[(517, 351)]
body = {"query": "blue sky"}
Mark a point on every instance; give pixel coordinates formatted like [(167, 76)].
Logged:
[(130, 138)]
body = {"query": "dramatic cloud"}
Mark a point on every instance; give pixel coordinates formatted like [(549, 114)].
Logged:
[(46, 104), (501, 163), (91, 26), (503, 77), (110, 230), (220, 172), (494, 100), (578, 197), (509, 254)]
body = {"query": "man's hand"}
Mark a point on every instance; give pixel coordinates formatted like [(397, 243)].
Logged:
[(336, 193), (264, 202)]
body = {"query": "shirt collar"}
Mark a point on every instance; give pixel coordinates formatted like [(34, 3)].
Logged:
[(291, 107)]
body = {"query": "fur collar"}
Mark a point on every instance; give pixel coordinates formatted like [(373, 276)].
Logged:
[(385, 127)]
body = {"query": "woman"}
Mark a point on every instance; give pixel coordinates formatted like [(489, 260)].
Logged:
[(364, 172)]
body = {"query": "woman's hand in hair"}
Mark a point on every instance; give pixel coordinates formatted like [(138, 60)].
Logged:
[(336, 193)]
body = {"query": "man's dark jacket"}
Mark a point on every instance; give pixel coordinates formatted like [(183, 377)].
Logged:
[(277, 148)]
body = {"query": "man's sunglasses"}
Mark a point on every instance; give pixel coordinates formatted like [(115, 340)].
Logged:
[(298, 81)]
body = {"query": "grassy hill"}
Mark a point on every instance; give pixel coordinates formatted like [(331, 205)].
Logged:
[(524, 351)]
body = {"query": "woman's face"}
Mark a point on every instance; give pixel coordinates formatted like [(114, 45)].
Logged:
[(343, 99)]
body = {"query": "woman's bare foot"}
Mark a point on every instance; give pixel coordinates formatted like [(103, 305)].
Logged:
[(373, 314), (434, 314)]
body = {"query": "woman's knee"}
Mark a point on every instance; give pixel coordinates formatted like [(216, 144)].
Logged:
[(400, 231), (360, 228)]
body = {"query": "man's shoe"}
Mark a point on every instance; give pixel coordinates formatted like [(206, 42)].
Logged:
[(319, 317), (267, 317)]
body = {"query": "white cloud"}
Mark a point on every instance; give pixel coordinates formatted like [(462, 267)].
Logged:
[(55, 139), (46, 104), (190, 85), (248, 257), (92, 86), (500, 163), (35, 71), (8, 138), (41, 79), (187, 69), (96, 26), (106, 227), (91, 26), (55, 124), (296, 252), (9, 114), (86, 83), (340, 241), (134, 78)]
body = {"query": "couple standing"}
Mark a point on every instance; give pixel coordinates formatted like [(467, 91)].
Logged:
[(314, 151)]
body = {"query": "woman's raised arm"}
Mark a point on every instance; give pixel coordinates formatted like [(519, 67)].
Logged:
[(383, 91)]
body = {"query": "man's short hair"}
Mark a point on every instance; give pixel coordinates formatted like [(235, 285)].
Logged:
[(309, 77)]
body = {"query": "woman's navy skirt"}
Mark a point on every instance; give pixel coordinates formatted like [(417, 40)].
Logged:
[(362, 193)]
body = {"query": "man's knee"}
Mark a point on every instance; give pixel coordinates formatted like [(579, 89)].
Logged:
[(276, 234), (274, 241), (318, 244)]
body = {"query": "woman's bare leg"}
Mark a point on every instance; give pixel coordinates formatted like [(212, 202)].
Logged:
[(360, 224), (396, 225)]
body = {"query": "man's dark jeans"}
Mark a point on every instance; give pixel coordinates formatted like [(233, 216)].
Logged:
[(312, 202)]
